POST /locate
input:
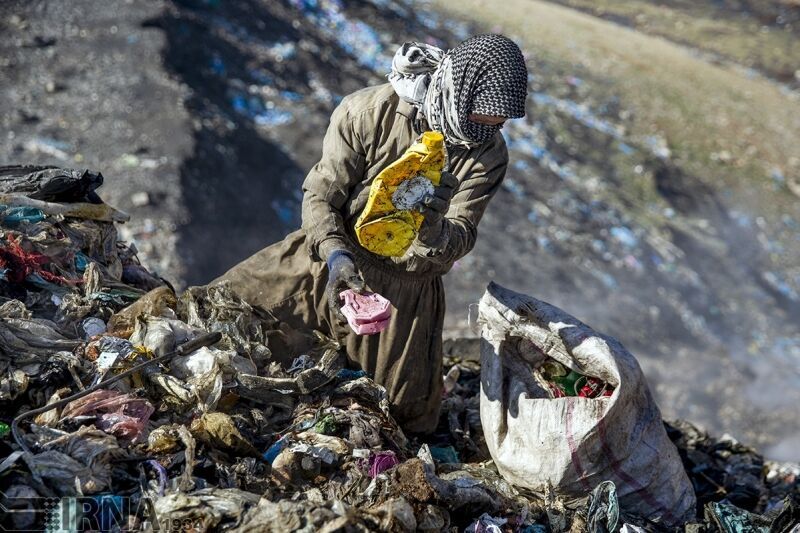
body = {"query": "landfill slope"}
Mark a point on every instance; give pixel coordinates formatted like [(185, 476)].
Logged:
[(83, 86), (758, 35), (666, 216)]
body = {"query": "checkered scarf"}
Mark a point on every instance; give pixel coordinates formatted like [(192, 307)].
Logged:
[(485, 74)]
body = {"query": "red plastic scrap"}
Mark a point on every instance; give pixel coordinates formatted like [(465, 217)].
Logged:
[(122, 415), (21, 264), (594, 388)]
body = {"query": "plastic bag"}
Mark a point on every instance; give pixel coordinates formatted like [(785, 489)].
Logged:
[(51, 184), (573, 443), (218, 308), (73, 463), (122, 415)]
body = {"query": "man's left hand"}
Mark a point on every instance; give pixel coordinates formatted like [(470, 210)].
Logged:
[(435, 206)]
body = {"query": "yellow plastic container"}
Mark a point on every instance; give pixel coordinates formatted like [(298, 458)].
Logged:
[(389, 224)]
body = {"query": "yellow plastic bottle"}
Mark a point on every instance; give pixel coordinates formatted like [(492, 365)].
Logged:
[(389, 223)]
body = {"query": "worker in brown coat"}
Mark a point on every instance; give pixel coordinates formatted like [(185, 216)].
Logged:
[(467, 94)]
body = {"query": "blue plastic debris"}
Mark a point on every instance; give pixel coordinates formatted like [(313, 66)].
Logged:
[(287, 211), (282, 51), (239, 104), (272, 453), (514, 187), (14, 216), (625, 148), (579, 112), (777, 282), (445, 454), (273, 117), (261, 77), (731, 519), (38, 281), (603, 513), (262, 113), (291, 96), (624, 236), (355, 37), (218, 65), (161, 472), (81, 261), (544, 243), (658, 146), (347, 374), (521, 165), (523, 137), (534, 528)]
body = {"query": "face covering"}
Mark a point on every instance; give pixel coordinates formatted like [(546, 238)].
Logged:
[(485, 75)]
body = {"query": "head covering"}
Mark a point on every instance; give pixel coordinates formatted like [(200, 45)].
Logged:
[(485, 74)]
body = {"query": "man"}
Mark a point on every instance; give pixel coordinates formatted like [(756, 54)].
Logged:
[(466, 94)]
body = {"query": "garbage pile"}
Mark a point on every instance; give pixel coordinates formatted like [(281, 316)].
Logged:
[(126, 406)]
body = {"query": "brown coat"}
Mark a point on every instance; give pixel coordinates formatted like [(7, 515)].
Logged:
[(369, 130)]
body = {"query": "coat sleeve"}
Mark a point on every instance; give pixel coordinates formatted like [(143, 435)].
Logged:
[(328, 184), (478, 183)]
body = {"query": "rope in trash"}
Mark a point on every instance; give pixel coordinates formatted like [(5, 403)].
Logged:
[(185, 348)]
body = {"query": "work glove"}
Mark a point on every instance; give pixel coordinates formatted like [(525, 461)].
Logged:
[(342, 275), (434, 207)]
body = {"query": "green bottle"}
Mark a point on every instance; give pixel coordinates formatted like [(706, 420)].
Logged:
[(567, 383), (563, 377)]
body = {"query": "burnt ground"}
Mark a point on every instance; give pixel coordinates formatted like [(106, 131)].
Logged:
[(217, 110)]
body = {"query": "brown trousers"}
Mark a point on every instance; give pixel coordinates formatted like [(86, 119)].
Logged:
[(406, 358)]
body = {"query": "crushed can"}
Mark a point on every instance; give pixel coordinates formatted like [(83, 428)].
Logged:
[(367, 313)]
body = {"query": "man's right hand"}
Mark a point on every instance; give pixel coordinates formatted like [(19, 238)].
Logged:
[(342, 275)]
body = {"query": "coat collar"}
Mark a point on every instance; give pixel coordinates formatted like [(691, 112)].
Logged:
[(405, 109), (412, 114)]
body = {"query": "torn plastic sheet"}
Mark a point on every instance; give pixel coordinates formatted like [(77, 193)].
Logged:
[(219, 431), (487, 524), (603, 514), (50, 183), (122, 415), (217, 308), (25, 339), (160, 302), (14, 216), (205, 509), (71, 463)]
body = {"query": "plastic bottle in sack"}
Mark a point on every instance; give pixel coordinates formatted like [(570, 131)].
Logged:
[(367, 313)]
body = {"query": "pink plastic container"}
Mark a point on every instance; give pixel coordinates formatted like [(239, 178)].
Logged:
[(367, 313)]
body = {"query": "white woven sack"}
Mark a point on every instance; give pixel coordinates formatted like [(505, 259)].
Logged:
[(572, 444)]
